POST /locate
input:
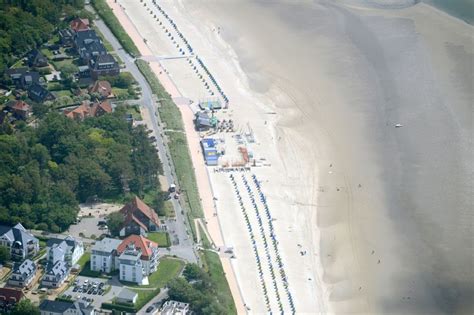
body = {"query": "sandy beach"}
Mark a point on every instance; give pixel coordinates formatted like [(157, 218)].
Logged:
[(369, 218)]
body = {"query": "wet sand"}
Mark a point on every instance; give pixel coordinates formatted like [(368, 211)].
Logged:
[(401, 242), (386, 213)]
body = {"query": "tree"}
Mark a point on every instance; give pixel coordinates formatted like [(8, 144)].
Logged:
[(193, 272), (25, 307), (4, 254), (115, 222)]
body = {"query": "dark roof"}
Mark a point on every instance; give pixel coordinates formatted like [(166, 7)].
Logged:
[(58, 270), (70, 241), (35, 57), (66, 33), (11, 294), (55, 306), (61, 307), (30, 77), (18, 234), (17, 72), (38, 93), (86, 36), (108, 58), (25, 268)]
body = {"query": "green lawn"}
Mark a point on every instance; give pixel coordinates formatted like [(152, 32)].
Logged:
[(213, 266), (59, 64), (18, 64), (115, 27), (171, 117), (135, 111), (204, 240), (63, 93), (168, 269), (144, 296), (161, 238), (168, 209), (84, 259)]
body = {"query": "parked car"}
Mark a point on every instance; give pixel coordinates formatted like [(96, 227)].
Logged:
[(150, 309)]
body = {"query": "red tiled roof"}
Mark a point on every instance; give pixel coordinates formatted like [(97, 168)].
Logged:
[(79, 24), (102, 87), (10, 295), (141, 243), (89, 110), (21, 106), (80, 112), (137, 205)]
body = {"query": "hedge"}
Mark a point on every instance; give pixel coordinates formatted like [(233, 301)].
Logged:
[(115, 27)]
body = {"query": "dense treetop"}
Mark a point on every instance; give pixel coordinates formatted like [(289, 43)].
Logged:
[(25, 24), (45, 171)]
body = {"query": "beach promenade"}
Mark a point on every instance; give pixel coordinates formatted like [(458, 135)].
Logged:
[(193, 142)]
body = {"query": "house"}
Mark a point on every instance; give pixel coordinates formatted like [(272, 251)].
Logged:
[(139, 218), (104, 253), (209, 150), (48, 307), (21, 243), (69, 249), (66, 37), (15, 74), (126, 296), (102, 108), (39, 94), (55, 274), (9, 298), (84, 71), (22, 273), (103, 65), (101, 87), (131, 267), (20, 109), (87, 109), (147, 249), (88, 45), (174, 308), (37, 59), (202, 121), (78, 25), (28, 79)]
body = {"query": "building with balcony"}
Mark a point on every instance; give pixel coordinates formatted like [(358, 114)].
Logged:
[(22, 274), (69, 250), (20, 242), (55, 274), (104, 253), (147, 249)]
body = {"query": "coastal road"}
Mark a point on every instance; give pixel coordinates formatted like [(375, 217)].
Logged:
[(185, 248)]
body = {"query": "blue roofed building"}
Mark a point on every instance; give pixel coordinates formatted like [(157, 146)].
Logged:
[(209, 151)]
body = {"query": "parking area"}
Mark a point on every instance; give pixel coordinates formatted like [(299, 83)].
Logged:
[(87, 227), (92, 290)]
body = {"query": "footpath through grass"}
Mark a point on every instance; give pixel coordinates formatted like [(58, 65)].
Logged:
[(178, 145), (115, 27)]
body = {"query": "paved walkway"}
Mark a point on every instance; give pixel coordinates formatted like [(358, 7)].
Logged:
[(204, 187), (185, 248)]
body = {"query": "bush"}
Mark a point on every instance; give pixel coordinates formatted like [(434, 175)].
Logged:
[(114, 25), (119, 307)]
